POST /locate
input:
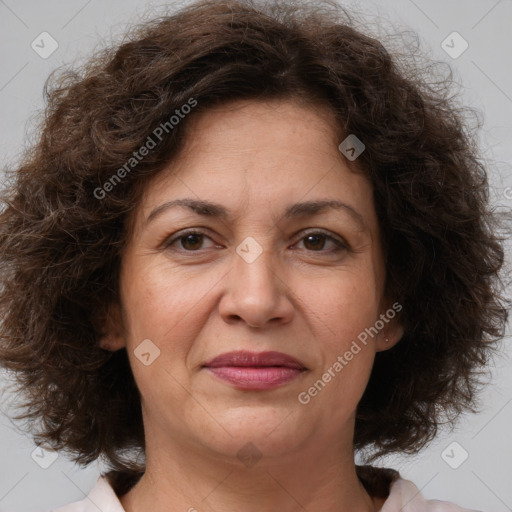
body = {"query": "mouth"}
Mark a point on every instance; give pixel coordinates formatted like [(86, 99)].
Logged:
[(255, 371)]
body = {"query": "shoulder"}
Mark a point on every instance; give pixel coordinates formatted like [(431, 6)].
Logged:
[(404, 496), (399, 494), (101, 497)]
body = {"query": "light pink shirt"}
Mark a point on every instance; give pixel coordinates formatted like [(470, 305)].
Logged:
[(404, 496)]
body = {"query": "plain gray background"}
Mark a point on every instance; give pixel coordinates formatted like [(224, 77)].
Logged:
[(482, 481)]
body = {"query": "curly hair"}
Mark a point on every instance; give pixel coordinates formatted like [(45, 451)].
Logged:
[(63, 228)]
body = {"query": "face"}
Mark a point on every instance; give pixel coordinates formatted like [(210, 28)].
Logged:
[(264, 269)]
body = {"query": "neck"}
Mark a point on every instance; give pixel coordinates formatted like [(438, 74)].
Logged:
[(182, 477)]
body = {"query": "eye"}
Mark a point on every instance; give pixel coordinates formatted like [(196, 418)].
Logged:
[(190, 241), (315, 241)]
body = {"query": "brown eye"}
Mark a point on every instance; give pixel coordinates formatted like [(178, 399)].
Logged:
[(190, 241), (316, 241)]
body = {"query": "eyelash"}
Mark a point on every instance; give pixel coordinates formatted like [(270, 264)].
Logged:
[(340, 245)]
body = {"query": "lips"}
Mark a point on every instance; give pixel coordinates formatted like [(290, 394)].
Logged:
[(255, 371), (254, 360)]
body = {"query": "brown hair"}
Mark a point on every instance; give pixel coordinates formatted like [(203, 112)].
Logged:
[(60, 245)]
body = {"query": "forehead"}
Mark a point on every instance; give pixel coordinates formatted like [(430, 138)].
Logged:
[(263, 155), (306, 117)]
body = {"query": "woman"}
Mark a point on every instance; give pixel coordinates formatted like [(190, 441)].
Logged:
[(248, 243)]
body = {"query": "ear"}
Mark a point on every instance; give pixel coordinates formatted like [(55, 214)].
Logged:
[(112, 333), (392, 329)]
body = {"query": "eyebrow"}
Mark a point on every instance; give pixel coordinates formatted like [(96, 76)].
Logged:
[(216, 210)]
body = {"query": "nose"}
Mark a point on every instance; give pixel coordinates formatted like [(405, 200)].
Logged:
[(256, 292)]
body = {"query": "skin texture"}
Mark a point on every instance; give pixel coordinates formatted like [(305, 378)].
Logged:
[(298, 297)]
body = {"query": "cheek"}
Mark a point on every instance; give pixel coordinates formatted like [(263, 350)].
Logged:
[(343, 314), (159, 300), (342, 306), (160, 306), (343, 310)]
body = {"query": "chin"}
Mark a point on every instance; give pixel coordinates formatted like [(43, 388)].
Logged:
[(267, 430)]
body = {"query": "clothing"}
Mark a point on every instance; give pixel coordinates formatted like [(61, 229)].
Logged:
[(404, 496)]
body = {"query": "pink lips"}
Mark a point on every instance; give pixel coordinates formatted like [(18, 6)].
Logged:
[(255, 371)]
